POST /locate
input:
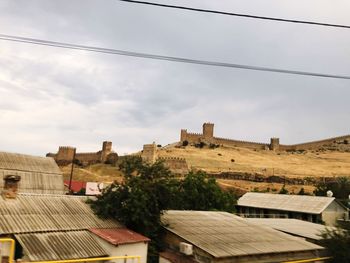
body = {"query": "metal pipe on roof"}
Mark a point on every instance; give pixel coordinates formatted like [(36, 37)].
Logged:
[(308, 260), (90, 259)]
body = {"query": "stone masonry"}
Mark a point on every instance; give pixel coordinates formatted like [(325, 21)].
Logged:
[(175, 164), (65, 155), (207, 136)]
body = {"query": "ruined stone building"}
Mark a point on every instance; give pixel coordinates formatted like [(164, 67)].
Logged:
[(207, 136), (175, 164), (66, 154)]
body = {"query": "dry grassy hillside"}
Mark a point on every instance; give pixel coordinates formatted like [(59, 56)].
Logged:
[(92, 173), (223, 159)]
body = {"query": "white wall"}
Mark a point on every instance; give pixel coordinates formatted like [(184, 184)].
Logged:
[(135, 249), (333, 212)]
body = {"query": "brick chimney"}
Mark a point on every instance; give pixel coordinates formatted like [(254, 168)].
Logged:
[(10, 186)]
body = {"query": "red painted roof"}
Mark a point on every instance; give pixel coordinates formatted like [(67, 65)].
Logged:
[(76, 186), (118, 236)]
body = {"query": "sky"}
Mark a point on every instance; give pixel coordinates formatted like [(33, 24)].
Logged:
[(51, 96)]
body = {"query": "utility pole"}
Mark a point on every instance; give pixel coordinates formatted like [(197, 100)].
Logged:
[(71, 173)]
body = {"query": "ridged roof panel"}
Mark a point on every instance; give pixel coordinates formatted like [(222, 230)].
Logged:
[(60, 245), (30, 213), (223, 234), (295, 203)]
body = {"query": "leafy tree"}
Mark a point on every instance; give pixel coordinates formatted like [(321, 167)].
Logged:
[(148, 190), (340, 188), (337, 243), (200, 192), (139, 200), (283, 190), (302, 191)]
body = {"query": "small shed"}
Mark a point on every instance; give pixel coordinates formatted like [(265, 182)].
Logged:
[(122, 241), (223, 237), (316, 209)]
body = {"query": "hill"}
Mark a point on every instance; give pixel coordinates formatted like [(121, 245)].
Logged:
[(291, 164), (245, 169), (92, 173)]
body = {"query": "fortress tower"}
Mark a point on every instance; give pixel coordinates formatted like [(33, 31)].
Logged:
[(66, 153), (106, 150), (208, 130), (149, 153), (274, 144)]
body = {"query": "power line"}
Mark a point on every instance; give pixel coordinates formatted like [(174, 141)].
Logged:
[(238, 14), (160, 57)]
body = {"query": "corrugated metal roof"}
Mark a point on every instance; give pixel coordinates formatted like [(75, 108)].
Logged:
[(295, 203), (22, 162), (60, 245), (176, 257), (38, 174), (222, 234), (118, 236), (293, 226), (30, 213)]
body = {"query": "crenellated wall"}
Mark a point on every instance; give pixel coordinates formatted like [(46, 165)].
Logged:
[(65, 155), (274, 145), (315, 144), (175, 164), (238, 143), (149, 153)]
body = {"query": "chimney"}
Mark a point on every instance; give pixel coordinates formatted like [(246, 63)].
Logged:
[(10, 186)]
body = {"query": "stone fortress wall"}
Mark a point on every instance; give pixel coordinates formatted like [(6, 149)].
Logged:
[(207, 136), (65, 155), (175, 164)]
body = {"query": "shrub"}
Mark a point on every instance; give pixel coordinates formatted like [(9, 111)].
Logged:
[(185, 143)]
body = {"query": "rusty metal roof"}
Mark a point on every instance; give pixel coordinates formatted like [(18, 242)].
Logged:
[(295, 203), (118, 236), (60, 245), (293, 226), (30, 213), (38, 174), (223, 234)]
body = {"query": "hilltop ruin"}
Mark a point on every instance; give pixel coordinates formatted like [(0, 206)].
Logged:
[(65, 155), (207, 136)]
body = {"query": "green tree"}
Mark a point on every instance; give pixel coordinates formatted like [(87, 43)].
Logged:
[(200, 192), (337, 243), (283, 190), (139, 200), (149, 189), (340, 188)]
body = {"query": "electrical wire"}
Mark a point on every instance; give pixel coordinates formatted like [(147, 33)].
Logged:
[(237, 14), (166, 58)]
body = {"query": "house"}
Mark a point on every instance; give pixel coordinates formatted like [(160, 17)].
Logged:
[(213, 237), (315, 209), (75, 186), (58, 227), (49, 227), (122, 241), (38, 174), (309, 231)]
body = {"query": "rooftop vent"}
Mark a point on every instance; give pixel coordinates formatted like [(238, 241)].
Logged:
[(186, 248), (11, 186)]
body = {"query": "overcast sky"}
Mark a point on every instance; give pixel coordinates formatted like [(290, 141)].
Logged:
[(51, 96)]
